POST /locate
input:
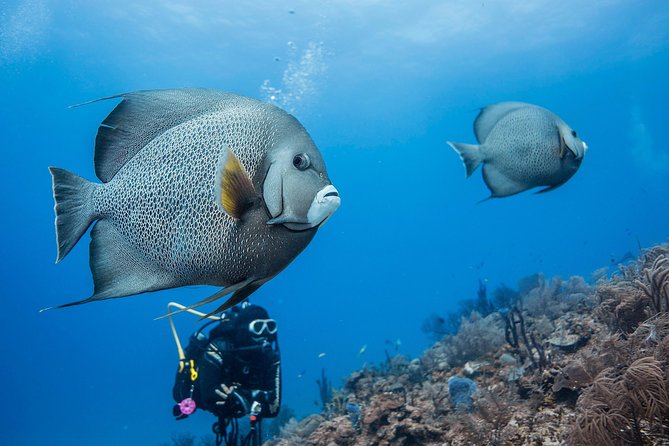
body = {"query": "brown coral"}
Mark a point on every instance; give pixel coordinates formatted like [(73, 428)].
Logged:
[(631, 407), (623, 306), (655, 283), (644, 389), (610, 389)]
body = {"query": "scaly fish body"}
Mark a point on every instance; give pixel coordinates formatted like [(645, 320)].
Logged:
[(522, 146), (163, 203), (216, 199), (525, 145)]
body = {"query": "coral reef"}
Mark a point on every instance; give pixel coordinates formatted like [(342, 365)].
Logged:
[(275, 425), (558, 362)]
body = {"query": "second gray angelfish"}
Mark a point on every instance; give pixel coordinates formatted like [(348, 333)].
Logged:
[(522, 146)]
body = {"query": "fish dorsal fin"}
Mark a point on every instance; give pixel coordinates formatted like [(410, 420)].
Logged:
[(235, 188), (490, 115), (143, 115)]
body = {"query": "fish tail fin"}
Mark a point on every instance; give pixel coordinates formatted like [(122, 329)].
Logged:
[(470, 155), (74, 208)]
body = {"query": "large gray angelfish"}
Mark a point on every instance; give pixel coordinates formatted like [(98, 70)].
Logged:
[(521, 146), (198, 187)]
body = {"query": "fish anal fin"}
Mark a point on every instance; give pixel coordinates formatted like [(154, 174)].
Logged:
[(118, 269), (499, 184), (236, 191)]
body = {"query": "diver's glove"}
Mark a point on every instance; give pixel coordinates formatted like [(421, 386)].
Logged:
[(224, 393), (231, 401)]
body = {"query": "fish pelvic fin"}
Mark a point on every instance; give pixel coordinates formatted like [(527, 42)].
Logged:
[(69, 304), (236, 191), (73, 197), (549, 188), (239, 291), (236, 298), (470, 155)]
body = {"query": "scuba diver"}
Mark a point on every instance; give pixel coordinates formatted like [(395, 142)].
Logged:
[(233, 372)]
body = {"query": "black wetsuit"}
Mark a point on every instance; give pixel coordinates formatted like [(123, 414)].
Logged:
[(255, 371)]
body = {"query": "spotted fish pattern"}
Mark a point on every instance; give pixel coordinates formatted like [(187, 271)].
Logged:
[(159, 222), (522, 146)]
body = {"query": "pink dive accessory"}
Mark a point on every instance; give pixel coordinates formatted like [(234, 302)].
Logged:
[(187, 406)]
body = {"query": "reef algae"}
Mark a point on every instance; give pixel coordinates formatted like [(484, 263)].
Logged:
[(588, 365)]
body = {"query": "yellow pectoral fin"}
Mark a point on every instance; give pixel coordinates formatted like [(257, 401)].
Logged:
[(236, 188)]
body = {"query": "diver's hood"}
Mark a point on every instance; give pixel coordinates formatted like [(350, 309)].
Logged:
[(242, 337)]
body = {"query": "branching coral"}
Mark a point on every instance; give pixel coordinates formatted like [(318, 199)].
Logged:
[(622, 305), (655, 283), (337, 403), (514, 332), (645, 390), (437, 393), (477, 337), (543, 299), (631, 407), (324, 389), (641, 292)]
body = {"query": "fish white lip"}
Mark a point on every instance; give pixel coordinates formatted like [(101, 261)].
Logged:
[(327, 193), (325, 203), (585, 147)]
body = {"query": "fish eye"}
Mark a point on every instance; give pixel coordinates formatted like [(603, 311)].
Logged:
[(301, 161), (573, 133)]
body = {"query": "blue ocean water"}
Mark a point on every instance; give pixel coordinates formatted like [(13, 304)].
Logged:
[(381, 86)]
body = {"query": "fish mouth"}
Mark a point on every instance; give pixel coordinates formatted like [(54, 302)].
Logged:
[(324, 204)]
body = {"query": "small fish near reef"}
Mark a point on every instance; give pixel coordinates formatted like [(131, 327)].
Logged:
[(521, 146), (199, 187)]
